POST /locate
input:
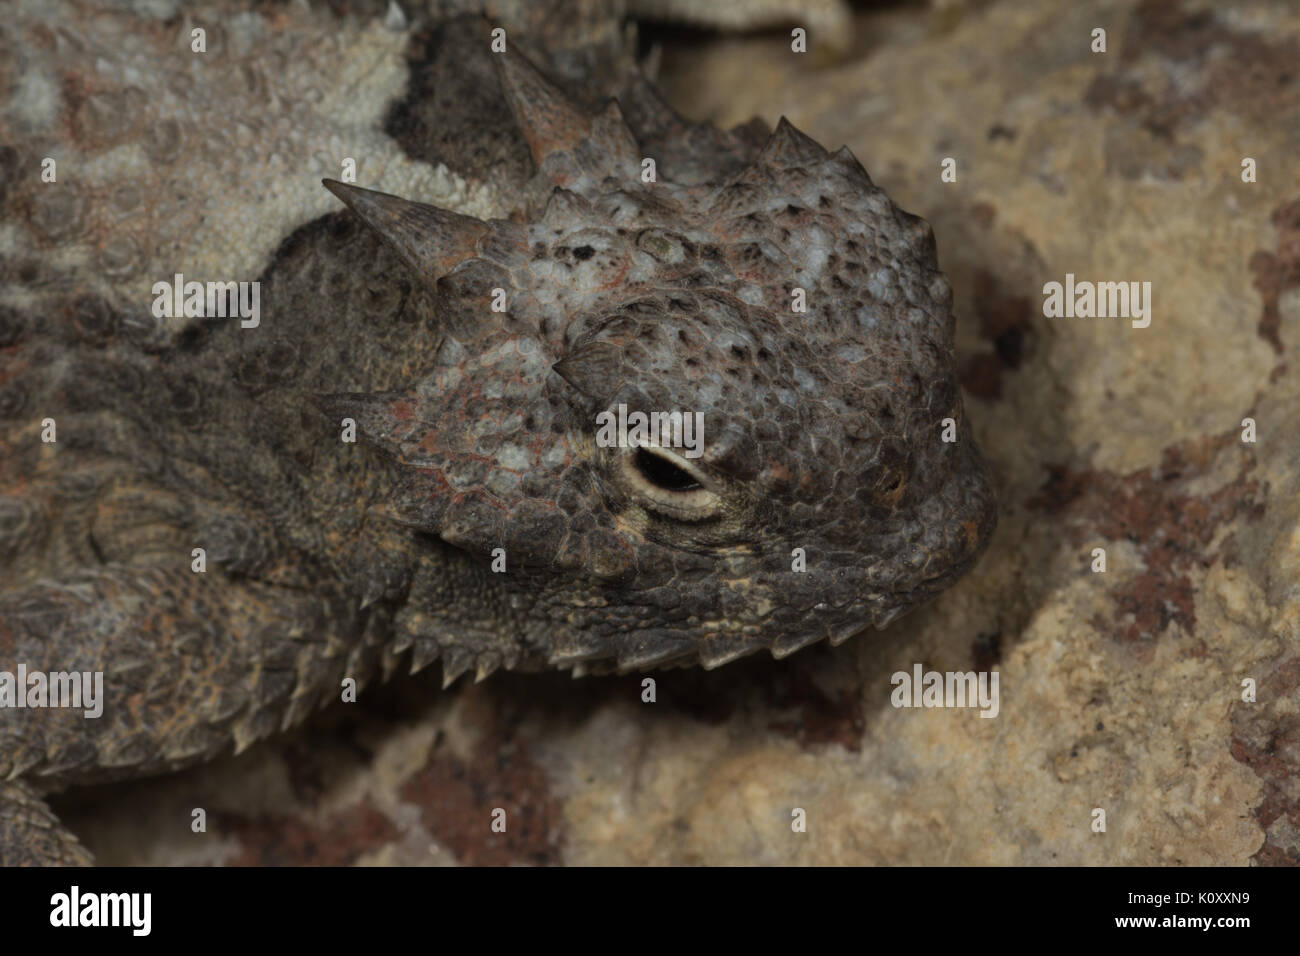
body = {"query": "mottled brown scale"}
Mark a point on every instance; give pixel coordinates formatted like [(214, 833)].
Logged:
[(823, 434)]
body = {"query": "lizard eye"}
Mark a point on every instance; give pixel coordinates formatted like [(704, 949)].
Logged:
[(663, 473), (668, 484)]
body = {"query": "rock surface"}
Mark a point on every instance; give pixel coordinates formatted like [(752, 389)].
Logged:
[(1120, 691)]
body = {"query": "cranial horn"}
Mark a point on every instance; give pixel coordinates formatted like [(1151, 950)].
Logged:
[(594, 369), (844, 156), (789, 147), (432, 241), (549, 121)]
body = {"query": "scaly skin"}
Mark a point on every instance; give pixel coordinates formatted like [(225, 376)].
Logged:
[(329, 560)]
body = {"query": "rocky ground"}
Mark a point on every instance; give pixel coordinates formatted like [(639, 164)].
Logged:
[(1121, 690)]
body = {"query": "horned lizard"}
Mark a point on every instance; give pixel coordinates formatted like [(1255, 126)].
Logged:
[(182, 510)]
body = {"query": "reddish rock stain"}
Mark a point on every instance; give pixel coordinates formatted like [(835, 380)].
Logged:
[(1171, 528)]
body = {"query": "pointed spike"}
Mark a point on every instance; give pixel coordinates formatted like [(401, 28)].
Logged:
[(842, 634), (789, 147), (574, 647), (594, 369), (689, 153), (584, 649), (243, 738), (25, 760), (646, 650), (388, 661), (648, 658), (375, 588), (431, 241), (785, 646), (652, 62), (487, 663), (356, 664), (505, 244), (723, 653), (612, 138), (920, 235), (426, 651), (549, 121), (844, 157), (573, 656), (737, 198), (882, 619), (300, 708), (566, 207), (454, 663), (395, 18), (579, 670), (651, 113), (471, 286)]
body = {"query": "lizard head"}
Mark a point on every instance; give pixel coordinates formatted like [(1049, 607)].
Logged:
[(689, 418)]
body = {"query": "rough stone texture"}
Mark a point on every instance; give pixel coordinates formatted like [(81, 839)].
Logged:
[(1119, 690), (183, 173)]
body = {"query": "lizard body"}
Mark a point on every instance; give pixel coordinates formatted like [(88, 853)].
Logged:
[(755, 279)]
